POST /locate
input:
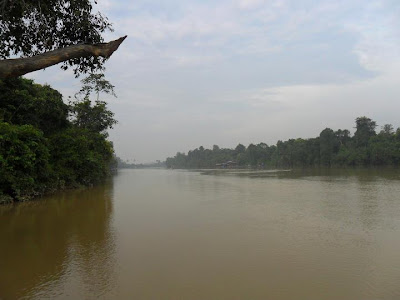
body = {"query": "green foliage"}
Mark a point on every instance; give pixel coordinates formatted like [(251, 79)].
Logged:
[(23, 102), (41, 149), (80, 156), (384, 148), (329, 145), (95, 118), (331, 148), (343, 136), (95, 83), (24, 161), (365, 129), (30, 27)]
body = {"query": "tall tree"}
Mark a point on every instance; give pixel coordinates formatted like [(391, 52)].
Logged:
[(365, 129), (343, 136), (387, 129), (45, 33), (240, 149), (328, 145), (94, 117)]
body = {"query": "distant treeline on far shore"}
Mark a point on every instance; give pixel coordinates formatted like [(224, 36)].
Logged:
[(366, 147), (121, 164)]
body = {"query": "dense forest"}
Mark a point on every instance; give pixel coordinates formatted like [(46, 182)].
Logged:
[(331, 148), (46, 144)]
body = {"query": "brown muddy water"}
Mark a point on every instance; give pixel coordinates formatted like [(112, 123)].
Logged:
[(163, 234)]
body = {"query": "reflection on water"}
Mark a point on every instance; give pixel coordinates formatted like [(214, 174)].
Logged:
[(220, 234), (329, 174), (49, 245)]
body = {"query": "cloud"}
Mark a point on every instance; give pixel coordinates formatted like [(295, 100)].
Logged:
[(378, 47), (267, 115), (221, 72), (248, 4)]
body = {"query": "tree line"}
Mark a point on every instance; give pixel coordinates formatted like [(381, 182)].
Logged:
[(122, 164), (331, 148), (46, 144)]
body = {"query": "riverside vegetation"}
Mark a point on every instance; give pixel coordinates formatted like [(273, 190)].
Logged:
[(331, 148), (46, 144)]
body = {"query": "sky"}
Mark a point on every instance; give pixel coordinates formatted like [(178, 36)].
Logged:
[(198, 72)]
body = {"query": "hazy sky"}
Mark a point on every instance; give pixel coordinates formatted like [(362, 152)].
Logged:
[(199, 72)]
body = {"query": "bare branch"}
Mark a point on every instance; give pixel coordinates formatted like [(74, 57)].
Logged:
[(21, 66)]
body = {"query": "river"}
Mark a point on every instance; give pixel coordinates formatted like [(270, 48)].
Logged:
[(174, 234)]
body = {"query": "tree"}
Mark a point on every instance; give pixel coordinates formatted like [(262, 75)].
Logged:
[(95, 83), (299, 152), (24, 102), (343, 136), (365, 129), (387, 129), (240, 149), (41, 149), (328, 145), (97, 117), (45, 33), (80, 156), (252, 154), (284, 153), (330, 148), (24, 162)]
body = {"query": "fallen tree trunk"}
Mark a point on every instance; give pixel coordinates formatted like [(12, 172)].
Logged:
[(20, 66)]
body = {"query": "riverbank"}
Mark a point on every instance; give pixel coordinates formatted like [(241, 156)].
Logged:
[(47, 145)]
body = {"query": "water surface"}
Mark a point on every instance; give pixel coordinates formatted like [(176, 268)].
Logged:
[(162, 234)]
